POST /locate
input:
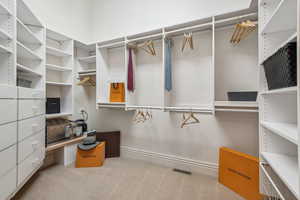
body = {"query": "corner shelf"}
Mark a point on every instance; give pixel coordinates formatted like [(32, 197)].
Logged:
[(4, 10), (56, 52), (286, 130), (26, 35), (25, 52), (286, 167), (28, 70), (89, 59), (4, 35), (57, 68), (4, 49), (280, 20)]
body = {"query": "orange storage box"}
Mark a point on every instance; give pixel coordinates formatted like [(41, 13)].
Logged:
[(240, 172), (91, 158)]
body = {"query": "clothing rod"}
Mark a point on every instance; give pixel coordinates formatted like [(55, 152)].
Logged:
[(145, 107), (235, 18), (148, 37), (231, 25), (188, 28)]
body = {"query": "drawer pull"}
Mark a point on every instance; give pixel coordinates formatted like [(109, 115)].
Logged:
[(35, 127), (35, 144)]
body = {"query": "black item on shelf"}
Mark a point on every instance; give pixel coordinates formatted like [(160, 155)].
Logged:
[(242, 96), (53, 105), (281, 67)]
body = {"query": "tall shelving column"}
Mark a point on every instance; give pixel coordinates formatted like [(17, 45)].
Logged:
[(59, 72), (7, 42), (279, 132)]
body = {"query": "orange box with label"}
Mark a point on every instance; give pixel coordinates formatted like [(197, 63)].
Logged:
[(239, 172), (91, 158)]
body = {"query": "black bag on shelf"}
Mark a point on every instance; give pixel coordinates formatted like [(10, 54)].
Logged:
[(281, 67)]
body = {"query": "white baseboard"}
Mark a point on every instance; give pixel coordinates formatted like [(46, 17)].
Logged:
[(170, 161)]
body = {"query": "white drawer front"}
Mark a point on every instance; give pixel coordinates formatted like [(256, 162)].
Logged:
[(26, 168), (8, 184), (8, 159), (30, 126), (8, 110), (31, 108), (32, 145), (8, 92), (28, 93), (8, 135)]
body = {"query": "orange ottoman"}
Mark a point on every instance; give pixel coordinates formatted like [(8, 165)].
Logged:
[(91, 158), (240, 173)]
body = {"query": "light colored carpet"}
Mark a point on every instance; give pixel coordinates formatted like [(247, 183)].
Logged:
[(122, 179)]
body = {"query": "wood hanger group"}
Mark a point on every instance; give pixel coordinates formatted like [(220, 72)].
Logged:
[(142, 116)]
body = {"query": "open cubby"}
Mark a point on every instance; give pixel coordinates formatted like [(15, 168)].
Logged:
[(110, 69), (65, 94), (192, 71), (148, 79), (235, 64), (59, 73)]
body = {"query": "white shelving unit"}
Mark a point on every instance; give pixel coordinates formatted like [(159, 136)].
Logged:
[(59, 72), (30, 48), (7, 43), (111, 68), (279, 115)]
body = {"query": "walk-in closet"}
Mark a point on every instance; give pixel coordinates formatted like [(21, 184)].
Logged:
[(139, 100)]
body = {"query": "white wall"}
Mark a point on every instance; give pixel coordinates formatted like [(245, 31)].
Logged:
[(70, 17), (117, 18)]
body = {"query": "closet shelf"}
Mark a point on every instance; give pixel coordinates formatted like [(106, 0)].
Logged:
[(4, 10), (4, 35), (288, 90), (286, 130), (291, 38), (4, 49), (26, 15), (57, 52), (111, 104), (286, 167), (57, 68), (236, 106), (24, 52), (28, 71), (25, 35), (89, 59), (283, 18), (58, 83), (87, 73), (50, 116)]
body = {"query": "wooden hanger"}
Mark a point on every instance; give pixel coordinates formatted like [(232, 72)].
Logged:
[(187, 120), (242, 30), (188, 39), (86, 81), (139, 117), (147, 46)]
